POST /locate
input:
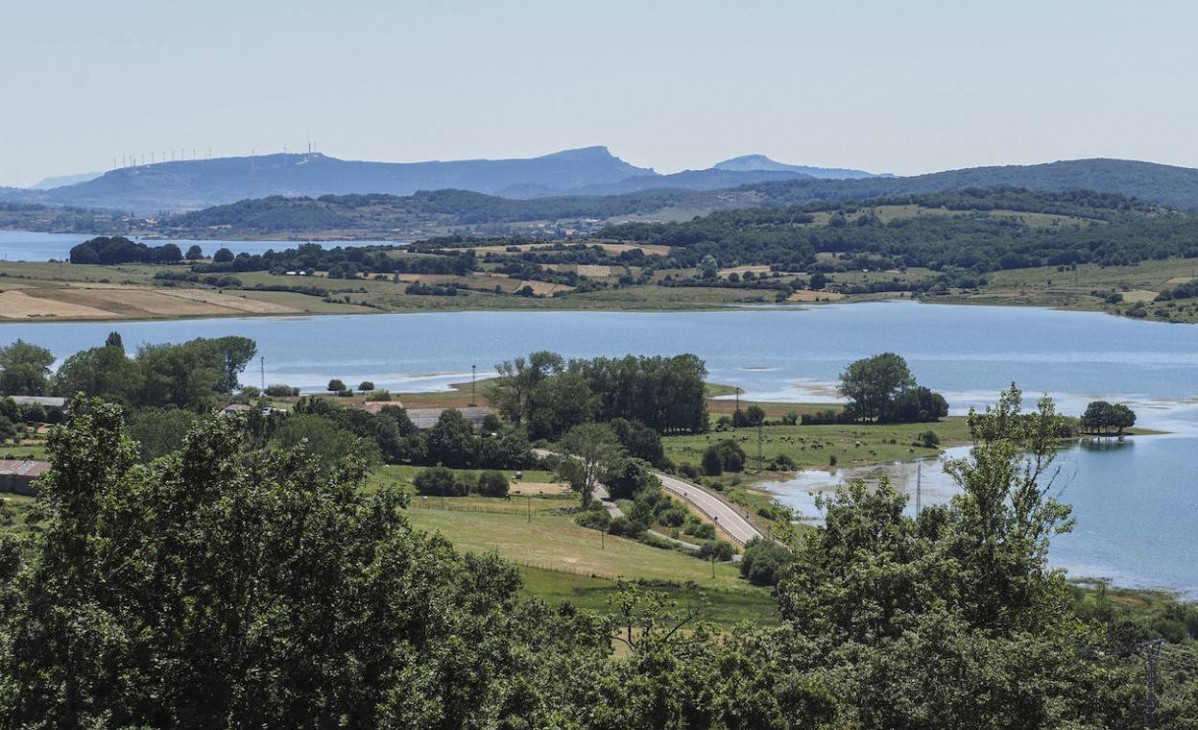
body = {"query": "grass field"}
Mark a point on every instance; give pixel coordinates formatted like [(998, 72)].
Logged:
[(724, 607), (813, 446), (557, 543)]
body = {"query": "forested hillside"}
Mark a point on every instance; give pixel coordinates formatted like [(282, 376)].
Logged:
[(979, 230)]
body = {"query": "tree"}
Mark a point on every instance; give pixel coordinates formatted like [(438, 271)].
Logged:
[(365, 385), (764, 561), (1101, 415), (724, 455), (324, 440), (492, 483), (591, 450), (24, 369), (222, 256), (558, 403), (194, 374), (335, 386), (451, 441), (101, 372), (114, 340), (918, 405), (159, 431), (872, 383), (437, 481), (512, 392), (258, 589), (168, 253), (1122, 417), (638, 440), (1006, 514), (960, 602), (194, 252)]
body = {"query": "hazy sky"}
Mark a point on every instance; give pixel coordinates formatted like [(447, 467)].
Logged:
[(904, 87)]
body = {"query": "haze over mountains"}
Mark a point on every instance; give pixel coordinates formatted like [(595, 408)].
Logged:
[(196, 184), (590, 172)]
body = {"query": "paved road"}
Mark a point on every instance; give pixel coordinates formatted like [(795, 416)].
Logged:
[(734, 523)]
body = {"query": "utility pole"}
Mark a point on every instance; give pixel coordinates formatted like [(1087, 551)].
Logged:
[(262, 364), (1152, 651), (759, 459), (918, 486), (473, 373)]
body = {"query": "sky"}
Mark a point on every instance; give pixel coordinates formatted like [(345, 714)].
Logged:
[(885, 85)]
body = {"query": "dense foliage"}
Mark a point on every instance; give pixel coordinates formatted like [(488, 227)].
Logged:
[(226, 585), (551, 395), (967, 235), (881, 388), (229, 585), (195, 375), (24, 369), (1101, 417), (121, 250), (385, 213)]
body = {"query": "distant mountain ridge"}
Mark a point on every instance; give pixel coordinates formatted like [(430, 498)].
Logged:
[(585, 172), (61, 181), (1169, 185), (761, 163), (197, 184)]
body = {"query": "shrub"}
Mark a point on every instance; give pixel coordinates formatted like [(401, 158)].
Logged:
[(690, 471), (673, 517), (722, 456), (719, 549), (493, 483), (281, 391), (783, 462), (701, 530), (437, 481), (594, 519), (764, 562), (713, 465), (378, 396), (928, 439), (626, 527)]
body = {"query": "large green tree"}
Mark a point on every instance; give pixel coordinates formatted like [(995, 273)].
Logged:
[(24, 369), (872, 383), (924, 621), (220, 587), (591, 450)]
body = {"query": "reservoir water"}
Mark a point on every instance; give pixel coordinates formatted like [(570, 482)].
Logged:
[(1136, 506), (30, 246)]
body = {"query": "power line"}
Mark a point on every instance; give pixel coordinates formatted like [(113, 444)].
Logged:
[(1151, 651)]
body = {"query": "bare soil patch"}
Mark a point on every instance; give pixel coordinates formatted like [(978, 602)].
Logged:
[(526, 489), (17, 304), (806, 295)]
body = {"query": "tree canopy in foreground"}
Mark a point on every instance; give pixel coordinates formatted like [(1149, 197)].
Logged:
[(224, 587)]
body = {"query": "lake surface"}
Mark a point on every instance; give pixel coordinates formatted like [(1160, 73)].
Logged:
[(1136, 506), (30, 246)]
